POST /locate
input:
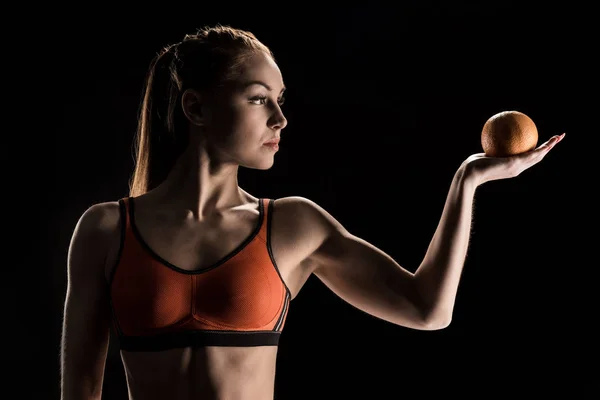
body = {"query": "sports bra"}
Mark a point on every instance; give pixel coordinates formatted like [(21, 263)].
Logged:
[(240, 300)]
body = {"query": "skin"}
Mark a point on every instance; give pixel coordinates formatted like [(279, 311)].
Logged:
[(199, 214)]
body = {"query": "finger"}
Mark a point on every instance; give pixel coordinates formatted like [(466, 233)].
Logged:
[(551, 142), (543, 148)]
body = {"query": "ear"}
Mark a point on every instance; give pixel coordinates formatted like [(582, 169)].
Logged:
[(191, 103)]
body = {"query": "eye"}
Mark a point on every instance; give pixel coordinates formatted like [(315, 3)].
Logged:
[(258, 100), (261, 100)]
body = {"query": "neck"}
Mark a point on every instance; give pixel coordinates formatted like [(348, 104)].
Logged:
[(200, 185)]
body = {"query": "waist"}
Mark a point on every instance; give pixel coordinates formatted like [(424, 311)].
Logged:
[(211, 372)]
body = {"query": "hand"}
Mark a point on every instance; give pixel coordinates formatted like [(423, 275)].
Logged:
[(482, 168)]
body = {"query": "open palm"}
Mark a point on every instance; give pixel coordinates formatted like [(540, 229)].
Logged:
[(485, 168)]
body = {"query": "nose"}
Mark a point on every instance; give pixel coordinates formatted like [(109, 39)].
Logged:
[(277, 120)]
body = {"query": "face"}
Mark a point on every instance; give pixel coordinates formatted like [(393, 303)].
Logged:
[(242, 117)]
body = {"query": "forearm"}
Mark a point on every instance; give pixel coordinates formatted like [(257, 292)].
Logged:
[(438, 276)]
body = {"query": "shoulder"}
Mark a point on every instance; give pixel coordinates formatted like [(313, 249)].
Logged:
[(301, 206), (96, 229), (305, 218), (99, 219), (95, 235), (304, 236)]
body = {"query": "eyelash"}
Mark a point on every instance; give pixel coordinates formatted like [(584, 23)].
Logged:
[(263, 99)]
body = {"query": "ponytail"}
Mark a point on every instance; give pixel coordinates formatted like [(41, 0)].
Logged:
[(158, 143)]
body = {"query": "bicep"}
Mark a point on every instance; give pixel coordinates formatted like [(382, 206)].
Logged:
[(364, 275), (86, 319)]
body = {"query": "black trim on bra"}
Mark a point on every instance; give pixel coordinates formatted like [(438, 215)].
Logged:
[(286, 303), (198, 339), (269, 248), (223, 260)]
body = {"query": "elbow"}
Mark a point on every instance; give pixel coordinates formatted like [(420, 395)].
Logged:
[(81, 387), (80, 395), (435, 319), (435, 313), (437, 323)]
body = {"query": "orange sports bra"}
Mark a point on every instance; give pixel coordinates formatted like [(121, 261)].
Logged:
[(239, 301)]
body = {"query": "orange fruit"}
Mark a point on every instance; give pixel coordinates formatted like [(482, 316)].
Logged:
[(508, 133)]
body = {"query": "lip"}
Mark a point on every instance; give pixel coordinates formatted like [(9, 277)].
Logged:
[(272, 141), (272, 145)]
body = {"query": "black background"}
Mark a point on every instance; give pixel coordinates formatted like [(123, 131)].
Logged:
[(384, 102)]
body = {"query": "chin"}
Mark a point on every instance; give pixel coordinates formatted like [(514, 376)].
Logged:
[(259, 164), (266, 165)]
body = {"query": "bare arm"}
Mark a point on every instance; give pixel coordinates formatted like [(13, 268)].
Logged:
[(372, 281), (86, 323), (438, 276)]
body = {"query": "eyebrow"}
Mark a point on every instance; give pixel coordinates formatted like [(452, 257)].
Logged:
[(250, 83)]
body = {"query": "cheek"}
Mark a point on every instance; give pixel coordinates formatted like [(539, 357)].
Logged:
[(237, 126), (220, 126)]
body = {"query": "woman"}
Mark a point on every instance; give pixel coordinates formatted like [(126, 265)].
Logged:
[(196, 275)]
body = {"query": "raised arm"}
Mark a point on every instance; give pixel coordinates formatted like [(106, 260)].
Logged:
[(86, 320), (370, 280), (373, 282)]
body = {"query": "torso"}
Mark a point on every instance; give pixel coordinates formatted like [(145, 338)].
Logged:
[(208, 372)]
